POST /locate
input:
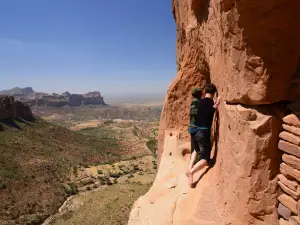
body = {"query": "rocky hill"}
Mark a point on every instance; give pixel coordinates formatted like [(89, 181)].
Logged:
[(37, 160), (250, 50), (11, 109), (17, 91), (32, 98)]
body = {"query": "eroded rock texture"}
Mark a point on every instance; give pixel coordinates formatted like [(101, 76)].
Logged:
[(251, 50), (93, 98), (11, 109)]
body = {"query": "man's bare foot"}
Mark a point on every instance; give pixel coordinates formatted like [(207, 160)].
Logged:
[(190, 177)]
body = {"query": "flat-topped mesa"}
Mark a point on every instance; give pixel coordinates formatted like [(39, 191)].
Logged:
[(32, 98), (27, 90), (75, 100), (93, 98)]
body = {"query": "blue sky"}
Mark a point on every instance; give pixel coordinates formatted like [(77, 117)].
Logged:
[(83, 45)]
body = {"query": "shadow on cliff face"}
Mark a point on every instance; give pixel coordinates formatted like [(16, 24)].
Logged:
[(271, 30), (200, 9)]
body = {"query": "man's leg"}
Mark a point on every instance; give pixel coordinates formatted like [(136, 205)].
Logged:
[(199, 165), (203, 140), (194, 149), (189, 173), (192, 160), (204, 154)]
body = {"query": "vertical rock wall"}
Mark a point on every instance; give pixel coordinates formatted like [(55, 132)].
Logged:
[(11, 109), (251, 50), (7, 107)]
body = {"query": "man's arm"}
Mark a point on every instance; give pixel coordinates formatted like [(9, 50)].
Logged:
[(217, 103)]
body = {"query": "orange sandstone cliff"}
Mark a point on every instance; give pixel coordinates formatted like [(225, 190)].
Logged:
[(251, 50)]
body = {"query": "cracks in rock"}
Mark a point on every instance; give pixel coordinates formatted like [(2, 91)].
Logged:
[(260, 215), (175, 205), (282, 105)]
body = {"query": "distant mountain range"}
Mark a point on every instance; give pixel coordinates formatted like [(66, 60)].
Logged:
[(17, 91), (32, 98)]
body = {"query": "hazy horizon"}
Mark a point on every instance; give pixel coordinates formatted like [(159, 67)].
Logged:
[(79, 46)]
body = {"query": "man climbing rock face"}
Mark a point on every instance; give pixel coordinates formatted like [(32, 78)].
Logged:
[(197, 95), (201, 116)]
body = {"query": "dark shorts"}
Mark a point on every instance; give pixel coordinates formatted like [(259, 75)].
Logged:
[(200, 142)]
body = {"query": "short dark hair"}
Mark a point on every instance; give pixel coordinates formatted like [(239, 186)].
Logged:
[(210, 89), (196, 92)]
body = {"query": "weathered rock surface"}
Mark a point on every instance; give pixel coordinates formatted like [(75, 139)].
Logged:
[(292, 120), (247, 62), (23, 111), (289, 171), (294, 130), (291, 160), (298, 208), (289, 183), (294, 220), (289, 191), (11, 109), (290, 138), (54, 101), (289, 202), (7, 107), (251, 51), (93, 98), (289, 148), (249, 181), (283, 222), (284, 211), (75, 100)]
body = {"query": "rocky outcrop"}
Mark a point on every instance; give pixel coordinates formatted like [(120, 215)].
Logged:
[(66, 94), (75, 100), (250, 50), (27, 90), (23, 111), (93, 98), (54, 101), (7, 107), (11, 109), (17, 91), (289, 177)]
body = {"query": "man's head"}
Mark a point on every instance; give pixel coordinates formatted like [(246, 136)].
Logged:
[(197, 92), (210, 89)]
